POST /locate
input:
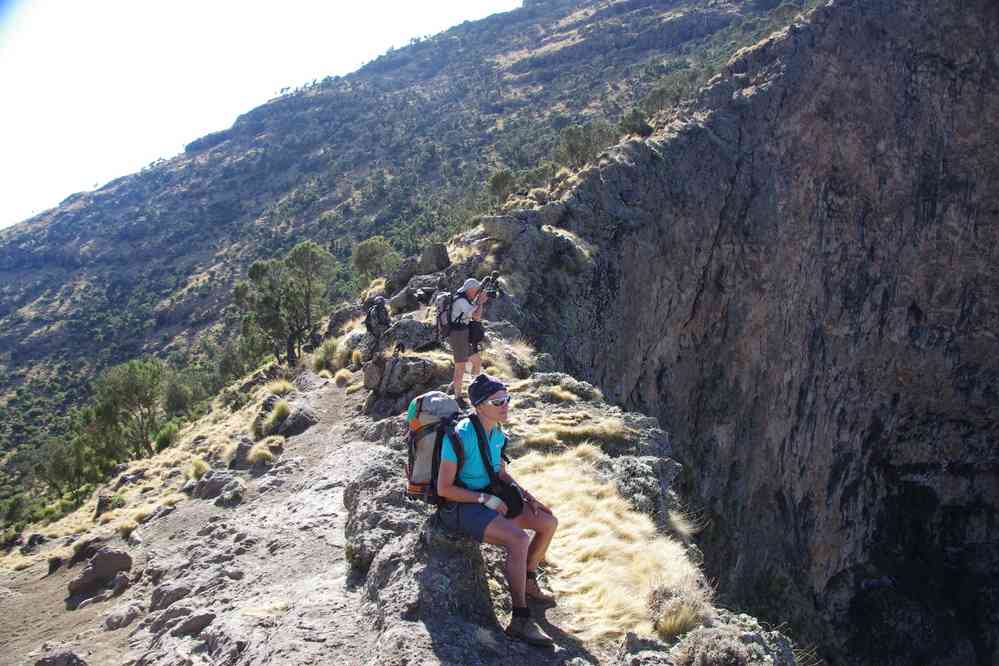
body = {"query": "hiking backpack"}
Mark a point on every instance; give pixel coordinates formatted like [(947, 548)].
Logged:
[(443, 306), (430, 417)]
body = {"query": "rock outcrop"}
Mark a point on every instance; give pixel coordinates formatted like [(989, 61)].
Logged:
[(798, 277)]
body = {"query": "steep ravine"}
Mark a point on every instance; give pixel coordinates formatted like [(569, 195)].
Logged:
[(796, 275)]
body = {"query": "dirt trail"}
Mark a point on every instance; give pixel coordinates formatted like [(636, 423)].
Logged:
[(272, 571)]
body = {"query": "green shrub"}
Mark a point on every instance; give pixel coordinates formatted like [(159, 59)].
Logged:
[(167, 436), (323, 358)]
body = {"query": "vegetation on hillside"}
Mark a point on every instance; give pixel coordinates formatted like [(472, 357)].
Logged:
[(367, 167)]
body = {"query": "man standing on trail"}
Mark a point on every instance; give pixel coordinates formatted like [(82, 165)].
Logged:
[(465, 309), (488, 505)]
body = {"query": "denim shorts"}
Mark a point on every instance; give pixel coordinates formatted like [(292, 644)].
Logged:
[(468, 518)]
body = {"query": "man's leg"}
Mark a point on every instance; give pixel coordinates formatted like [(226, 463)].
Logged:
[(476, 364), (503, 532), (459, 378)]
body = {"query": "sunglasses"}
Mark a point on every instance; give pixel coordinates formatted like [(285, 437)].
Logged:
[(499, 402)]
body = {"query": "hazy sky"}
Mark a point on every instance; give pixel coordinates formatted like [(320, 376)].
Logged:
[(90, 91)]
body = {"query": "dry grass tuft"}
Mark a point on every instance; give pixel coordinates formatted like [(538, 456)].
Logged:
[(260, 453), (497, 364), (542, 441), (354, 388), (325, 356), (278, 414), (340, 360), (325, 374), (173, 499), (350, 325), (280, 387), (678, 604), (558, 394), (605, 557), (343, 377), (607, 432), (685, 525), (126, 528), (376, 288), (195, 471)]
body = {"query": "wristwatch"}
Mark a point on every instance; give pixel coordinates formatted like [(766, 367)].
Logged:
[(482, 498)]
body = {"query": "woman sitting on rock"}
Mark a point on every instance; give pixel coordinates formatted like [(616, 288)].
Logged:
[(472, 505)]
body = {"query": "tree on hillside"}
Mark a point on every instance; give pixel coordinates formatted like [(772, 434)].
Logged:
[(128, 399), (579, 144), (373, 257), (501, 184), (634, 122), (284, 298)]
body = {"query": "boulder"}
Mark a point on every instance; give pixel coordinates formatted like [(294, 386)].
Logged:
[(100, 571), (32, 543), (212, 483), (373, 371), (238, 460), (61, 657), (404, 301), (341, 316), (193, 624), (502, 228), (301, 418), (122, 616), (128, 479), (231, 495), (412, 334), (433, 258), (55, 562), (404, 373), (407, 269), (414, 569), (103, 505), (167, 594), (427, 283), (85, 550)]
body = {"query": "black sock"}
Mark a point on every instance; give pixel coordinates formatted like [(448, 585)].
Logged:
[(521, 611)]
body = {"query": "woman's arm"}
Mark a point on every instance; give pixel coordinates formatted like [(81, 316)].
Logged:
[(449, 491)]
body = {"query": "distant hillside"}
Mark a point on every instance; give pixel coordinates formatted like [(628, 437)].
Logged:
[(403, 147)]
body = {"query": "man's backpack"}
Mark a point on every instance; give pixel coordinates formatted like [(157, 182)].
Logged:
[(430, 416), (443, 306)]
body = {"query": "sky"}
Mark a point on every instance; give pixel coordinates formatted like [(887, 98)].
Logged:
[(90, 91)]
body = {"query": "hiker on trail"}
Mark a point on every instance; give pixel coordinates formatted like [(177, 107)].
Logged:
[(466, 308), (377, 320), (473, 504)]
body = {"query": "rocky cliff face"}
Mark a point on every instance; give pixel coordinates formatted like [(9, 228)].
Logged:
[(798, 277)]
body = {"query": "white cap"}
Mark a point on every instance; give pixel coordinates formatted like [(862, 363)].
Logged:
[(471, 283)]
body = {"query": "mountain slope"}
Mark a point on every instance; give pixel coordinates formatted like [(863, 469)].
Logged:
[(403, 147)]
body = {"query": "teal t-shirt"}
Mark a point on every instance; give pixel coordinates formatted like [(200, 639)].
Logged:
[(473, 473)]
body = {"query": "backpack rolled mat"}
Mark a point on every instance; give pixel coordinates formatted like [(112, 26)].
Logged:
[(430, 416)]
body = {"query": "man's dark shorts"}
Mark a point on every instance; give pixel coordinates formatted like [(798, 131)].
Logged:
[(468, 518), (461, 345)]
